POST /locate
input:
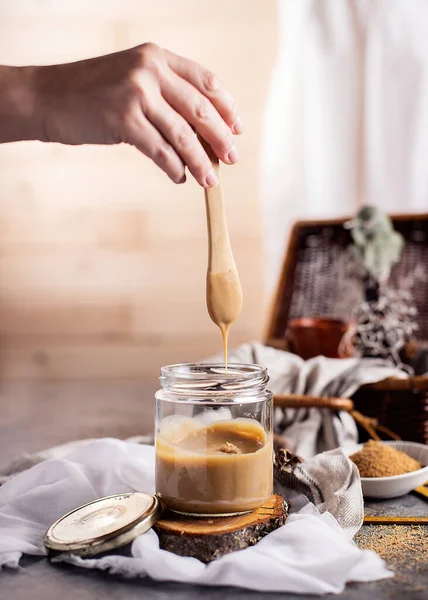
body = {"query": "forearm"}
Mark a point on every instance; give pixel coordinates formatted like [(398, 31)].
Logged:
[(18, 118)]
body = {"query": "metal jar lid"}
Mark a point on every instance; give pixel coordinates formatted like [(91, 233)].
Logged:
[(103, 524)]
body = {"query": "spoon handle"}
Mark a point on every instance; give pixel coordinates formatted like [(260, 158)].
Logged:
[(220, 256)]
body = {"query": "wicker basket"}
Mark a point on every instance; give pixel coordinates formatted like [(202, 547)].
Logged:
[(313, 283)]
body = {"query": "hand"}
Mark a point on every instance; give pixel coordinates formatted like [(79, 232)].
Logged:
[(147, 97)]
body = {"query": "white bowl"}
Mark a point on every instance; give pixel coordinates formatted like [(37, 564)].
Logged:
[(397, 485)]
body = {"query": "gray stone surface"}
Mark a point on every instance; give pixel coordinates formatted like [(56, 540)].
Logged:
[(410, 505)]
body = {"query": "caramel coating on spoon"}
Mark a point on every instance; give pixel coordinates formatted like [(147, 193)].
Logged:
[(224, 301)]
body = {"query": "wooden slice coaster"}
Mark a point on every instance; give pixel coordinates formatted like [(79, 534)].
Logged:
[(209, 538)]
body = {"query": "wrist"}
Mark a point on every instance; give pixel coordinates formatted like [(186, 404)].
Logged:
[(19, 118)]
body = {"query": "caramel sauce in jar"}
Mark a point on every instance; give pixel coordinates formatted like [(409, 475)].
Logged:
[(225, 467), (214, 441)]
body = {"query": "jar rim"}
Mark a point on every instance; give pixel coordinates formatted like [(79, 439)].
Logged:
[(212, 380), (192, 371)]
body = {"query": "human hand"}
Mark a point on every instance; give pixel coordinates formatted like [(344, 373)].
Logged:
[(147, 97)]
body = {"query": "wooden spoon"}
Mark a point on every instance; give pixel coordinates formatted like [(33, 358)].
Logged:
[(224, 292)]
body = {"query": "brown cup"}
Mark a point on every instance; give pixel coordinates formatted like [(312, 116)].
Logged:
[(320, 336)]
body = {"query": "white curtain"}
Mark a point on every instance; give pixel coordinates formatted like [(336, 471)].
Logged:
[(347, 114)]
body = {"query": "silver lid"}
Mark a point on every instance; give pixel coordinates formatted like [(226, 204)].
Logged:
[(103, 524)]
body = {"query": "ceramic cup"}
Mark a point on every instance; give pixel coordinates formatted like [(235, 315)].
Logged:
[(320, 336)]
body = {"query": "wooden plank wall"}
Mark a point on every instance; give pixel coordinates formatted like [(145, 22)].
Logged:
[(102, 259)]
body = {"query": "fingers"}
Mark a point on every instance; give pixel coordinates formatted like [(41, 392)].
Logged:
[(177, 96), (210, 86), (198, 110), (150, 142), (180, 135)]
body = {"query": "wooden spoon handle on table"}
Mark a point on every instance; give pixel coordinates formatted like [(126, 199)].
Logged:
[(224, 292)]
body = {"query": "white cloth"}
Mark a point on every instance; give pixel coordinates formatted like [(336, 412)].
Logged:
[(347, 113), (310, 554), (310, 431), (25, 461)]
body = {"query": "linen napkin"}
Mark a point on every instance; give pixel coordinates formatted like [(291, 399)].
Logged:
[(310, 431), (310, 554)]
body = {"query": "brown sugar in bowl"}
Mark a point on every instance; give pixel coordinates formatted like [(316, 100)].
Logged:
[(392, 486), (376, 459)]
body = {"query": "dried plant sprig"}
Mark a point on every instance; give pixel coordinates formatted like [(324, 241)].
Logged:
[(385, 325)]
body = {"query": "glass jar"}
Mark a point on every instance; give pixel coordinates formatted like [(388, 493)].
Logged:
[(214, 440)]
